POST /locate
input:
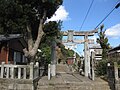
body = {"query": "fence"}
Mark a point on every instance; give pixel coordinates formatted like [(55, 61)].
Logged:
[(19, 71)]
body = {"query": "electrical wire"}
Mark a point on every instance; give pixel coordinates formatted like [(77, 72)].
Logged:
[(86, 14), (108, 14), (105, 18)]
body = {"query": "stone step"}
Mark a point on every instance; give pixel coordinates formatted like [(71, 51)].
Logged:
[(68, 87), (74, 86), (66, 80), (62, 68)]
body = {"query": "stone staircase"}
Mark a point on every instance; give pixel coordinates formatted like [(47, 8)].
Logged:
[(62, 68), (73, 86), (65, 80)]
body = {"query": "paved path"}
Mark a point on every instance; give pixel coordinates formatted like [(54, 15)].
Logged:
[(62, 78)]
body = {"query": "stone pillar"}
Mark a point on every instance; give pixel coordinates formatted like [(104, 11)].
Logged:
[(116, 76), (7, 72), (37, 72), (53, 58), (93, 73), (2, 69), (49, 72), (24, 73), (31, 70), (86, 57), (19, 73), (12, 72), (74, 56), (70, 36)]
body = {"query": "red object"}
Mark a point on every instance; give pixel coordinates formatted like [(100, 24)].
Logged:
[(70, 60)]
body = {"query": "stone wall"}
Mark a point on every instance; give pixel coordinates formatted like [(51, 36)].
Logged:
[(113, 76), (16, 84), (117, 85), (19, 77)]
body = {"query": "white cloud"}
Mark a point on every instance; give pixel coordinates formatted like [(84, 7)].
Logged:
[(60, 14), (113, 31)]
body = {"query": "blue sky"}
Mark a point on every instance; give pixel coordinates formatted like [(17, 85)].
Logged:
[(100, 8), (72, 14)]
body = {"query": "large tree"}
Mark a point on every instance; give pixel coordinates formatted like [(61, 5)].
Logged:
[(101, 67), (27, 17), (103, 41)]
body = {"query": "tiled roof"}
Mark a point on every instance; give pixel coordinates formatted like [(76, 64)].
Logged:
[(115, 48), (10, 37)]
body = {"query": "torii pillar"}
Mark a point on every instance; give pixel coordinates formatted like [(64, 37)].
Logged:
[(86, 57)]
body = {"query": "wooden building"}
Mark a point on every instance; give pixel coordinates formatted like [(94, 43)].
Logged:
[(98, 52), (70, 60), (11, 49), (114, 55)]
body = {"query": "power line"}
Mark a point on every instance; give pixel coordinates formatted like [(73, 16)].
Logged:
[(86, 14), (108, 14)]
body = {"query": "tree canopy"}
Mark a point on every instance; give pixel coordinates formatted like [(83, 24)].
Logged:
[(16, 14), (103, 41), (27, 17)]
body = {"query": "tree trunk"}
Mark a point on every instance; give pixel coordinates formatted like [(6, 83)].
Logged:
[(37, 42), (33, 46)]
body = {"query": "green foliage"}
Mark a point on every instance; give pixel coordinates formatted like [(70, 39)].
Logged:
[(66, 52), (101, 68), (52, 28), (15, 15), (28, 18), (11, 19), (103, 41), (46, 52)]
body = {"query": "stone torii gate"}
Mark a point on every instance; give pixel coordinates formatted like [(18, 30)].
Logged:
[(86, 41)]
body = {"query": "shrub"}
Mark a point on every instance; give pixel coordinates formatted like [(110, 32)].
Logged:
[(101, 68)]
